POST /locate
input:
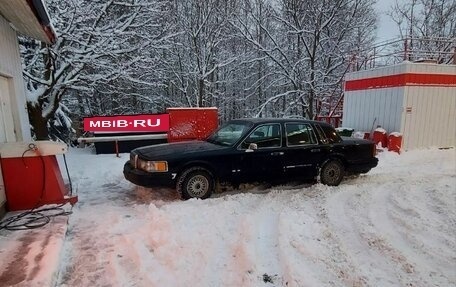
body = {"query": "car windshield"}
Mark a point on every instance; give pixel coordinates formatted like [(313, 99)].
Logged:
[(229, 133)]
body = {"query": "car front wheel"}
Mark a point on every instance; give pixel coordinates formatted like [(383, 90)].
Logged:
[(332, 173), (195, 182)]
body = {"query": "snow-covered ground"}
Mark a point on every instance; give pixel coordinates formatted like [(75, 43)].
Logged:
[(395, 226)]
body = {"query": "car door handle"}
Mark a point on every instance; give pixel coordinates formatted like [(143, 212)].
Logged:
[(315, 150), (276, 153)]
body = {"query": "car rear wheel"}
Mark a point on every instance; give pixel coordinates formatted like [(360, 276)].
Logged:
[(195, 182), (332, 173)]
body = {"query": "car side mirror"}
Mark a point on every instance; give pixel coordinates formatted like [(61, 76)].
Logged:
[(252, 147)]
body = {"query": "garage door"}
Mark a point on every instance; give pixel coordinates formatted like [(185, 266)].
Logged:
[(6, 116)]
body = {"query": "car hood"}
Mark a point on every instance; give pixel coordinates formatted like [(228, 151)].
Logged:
[(167, 150)]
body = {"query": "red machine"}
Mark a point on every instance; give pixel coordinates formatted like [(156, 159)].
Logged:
[(32, 176)]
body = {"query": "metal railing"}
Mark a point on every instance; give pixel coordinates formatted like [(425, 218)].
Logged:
[(436, 50)]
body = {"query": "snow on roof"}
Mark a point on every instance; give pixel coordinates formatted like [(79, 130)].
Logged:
[(402, 68)]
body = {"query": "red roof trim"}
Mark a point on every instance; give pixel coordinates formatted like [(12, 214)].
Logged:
[(401, 80)]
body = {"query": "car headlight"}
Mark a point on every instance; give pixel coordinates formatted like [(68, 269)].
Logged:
[(152, 166)]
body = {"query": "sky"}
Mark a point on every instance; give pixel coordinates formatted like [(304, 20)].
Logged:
[(387, 29)]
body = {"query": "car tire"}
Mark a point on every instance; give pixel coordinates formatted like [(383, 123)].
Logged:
[(332, 173), (195, 182)]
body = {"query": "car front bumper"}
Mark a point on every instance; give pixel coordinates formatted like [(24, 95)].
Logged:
[(148, 179)]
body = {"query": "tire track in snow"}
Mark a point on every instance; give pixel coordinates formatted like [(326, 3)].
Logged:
[(311, 257), (316, 236), (390, 222), (383, 236), (265, 229), (343, 208), (336, 259), (413, 227), (258, 227)]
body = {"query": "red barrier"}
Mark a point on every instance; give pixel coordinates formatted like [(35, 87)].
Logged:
[(395, 142), (380, 136), (191, 123)]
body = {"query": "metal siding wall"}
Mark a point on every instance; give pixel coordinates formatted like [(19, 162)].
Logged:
[(433, 118), (348, 105), (395, 109), (384, 106), (448, 134), (429, 111), (376, 102), (405, 121), (422, 103), (351, 103), (367, 99), (451, 94), (388, 106), (10, 67)]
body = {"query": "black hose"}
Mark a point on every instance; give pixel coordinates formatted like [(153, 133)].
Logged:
[(33, 219)]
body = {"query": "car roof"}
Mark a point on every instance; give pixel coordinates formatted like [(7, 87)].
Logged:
[(276, 120)]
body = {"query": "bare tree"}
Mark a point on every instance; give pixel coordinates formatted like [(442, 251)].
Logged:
[(98, 45), (309, 44), (429, 26), (201, 32), (247, 57)]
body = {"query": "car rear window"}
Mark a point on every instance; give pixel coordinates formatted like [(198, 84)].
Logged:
[(328, 134)]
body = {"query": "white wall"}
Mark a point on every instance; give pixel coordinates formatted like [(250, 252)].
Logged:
[(432, 119), (14, 122), (424, 111), (11, 70)]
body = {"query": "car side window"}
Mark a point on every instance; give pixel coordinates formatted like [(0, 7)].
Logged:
[(265, 136), (299, 134)]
